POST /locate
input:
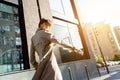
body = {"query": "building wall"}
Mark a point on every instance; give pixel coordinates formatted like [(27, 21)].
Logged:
[(106, 40), (32, 17), (116, 30), (91, 39)]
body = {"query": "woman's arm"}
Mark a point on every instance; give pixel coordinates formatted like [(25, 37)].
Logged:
[(67, 46)]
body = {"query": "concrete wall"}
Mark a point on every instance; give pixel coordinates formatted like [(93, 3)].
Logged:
[(32, 17), (78, 71)]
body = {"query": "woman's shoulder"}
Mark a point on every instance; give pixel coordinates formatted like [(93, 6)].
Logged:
[(47, 32)]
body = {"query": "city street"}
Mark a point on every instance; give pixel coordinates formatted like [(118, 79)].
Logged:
[(113, 75)]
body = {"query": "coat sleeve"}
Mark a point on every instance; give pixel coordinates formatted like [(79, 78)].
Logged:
[(53, 39), (32, 55), (50, 37), (56, 41)]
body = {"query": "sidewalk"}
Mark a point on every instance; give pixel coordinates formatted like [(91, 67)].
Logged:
[(103, 77), (113, 75)]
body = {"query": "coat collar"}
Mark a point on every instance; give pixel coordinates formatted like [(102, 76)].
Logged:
[(40, 30)]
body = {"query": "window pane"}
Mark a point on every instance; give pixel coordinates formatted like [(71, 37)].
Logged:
[(68, 8), (6, 8), (67, 33), (10, 39), (12, 1), (56, 5), (61, 31), (0, 14), (76, 40), (62, 7)]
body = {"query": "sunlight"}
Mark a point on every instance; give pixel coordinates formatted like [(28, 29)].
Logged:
[(100, 10)]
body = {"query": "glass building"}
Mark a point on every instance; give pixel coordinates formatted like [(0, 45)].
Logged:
[(11, 57)]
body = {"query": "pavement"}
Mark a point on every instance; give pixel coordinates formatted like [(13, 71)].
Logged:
[(113, 75)]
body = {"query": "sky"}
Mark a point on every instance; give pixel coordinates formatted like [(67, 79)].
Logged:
[(100, 10)]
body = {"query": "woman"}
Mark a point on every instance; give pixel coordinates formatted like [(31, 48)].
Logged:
[(41, 41), (48, 68)]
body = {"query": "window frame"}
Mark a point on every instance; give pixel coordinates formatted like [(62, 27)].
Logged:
[(76, 21)]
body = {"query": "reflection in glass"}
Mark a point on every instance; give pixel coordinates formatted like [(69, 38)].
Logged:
[(76, 40), (67, 33), (68, 8), (0, 14), (63, 7), (11, 58), (56, 5), (61, 31)]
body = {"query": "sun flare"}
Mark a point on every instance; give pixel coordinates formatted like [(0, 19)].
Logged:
[(100, 10)]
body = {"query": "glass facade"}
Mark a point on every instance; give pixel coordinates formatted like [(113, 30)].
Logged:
[(11, 58)]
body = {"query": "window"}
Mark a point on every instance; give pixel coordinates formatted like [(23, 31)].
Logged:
[(67, 33), (62, 7), (66, 27), (10, 39), (57, 6), (75, 37), (61, 31)]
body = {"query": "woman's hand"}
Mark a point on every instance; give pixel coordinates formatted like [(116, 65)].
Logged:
[(78, 51), (35, 66)]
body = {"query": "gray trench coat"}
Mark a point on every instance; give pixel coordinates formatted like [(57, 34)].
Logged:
[(47, 68)]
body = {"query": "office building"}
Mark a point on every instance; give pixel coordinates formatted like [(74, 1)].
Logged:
[(91, 39), (106, 40)]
